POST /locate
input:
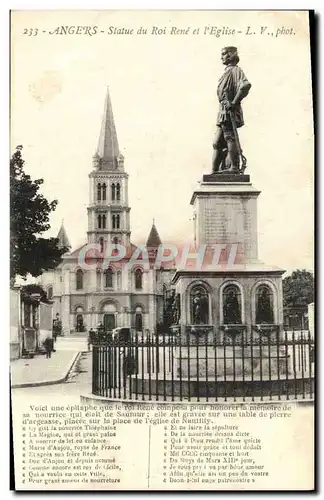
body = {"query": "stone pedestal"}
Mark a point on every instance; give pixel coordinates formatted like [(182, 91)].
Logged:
[(247, 278), (226, 212), (234, 354), (238, 363), (225, 207)]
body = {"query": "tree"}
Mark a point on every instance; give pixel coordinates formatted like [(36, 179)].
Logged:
[(29, 217), (28, 290), (298, 288)]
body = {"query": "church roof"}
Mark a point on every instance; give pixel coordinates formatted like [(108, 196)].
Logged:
[(91, 256), (108, 148), (63, 238), (130, 249), (153, 239), (76, 252)]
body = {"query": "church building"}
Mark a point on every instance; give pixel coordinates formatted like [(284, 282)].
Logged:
[(119, 295)]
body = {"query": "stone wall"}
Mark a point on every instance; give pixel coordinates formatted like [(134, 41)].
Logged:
[(15, 326), (45, 321)]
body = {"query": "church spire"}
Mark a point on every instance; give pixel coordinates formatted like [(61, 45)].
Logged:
[(107, 156), (153, 239), (108, 210), (63, 238)]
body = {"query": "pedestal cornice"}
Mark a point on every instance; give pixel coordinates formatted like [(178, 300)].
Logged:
[(206, 189)]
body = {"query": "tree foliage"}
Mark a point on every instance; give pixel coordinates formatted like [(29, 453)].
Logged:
[(298, 288), (28, 290), (29, 218)]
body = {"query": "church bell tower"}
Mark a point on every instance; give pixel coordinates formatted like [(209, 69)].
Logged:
[(108, 210)]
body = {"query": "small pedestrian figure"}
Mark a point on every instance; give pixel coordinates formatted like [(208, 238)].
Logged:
[(48, 344), (90, 338), (129, 365), (57, 327)]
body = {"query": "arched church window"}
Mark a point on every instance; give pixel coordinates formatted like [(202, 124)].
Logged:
[(117, 221), (118, 191), (104, 191), (108, 278), (264, 305), (50, 292), (113, 219), (99, 221), (232, 310), (138, 279), (101, 243), (113, 191), (199, 299), (99, 192), (103, 219), (79, 279)]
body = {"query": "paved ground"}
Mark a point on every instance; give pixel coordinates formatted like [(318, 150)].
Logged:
[(43, 371), (71, 344), (68, 392)]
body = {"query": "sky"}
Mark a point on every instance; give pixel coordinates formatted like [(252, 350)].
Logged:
[(163, 93)]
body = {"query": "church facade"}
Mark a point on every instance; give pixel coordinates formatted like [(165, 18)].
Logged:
[(88, 292)]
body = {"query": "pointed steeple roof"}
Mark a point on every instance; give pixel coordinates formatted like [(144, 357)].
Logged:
[(107, 152), (63, 238), (153, 239)]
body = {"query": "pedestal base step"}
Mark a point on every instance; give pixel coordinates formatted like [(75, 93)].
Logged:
[(249, 367), (226, 177), (223, 389)]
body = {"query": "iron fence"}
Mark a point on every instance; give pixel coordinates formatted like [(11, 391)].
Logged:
[(203, 364)]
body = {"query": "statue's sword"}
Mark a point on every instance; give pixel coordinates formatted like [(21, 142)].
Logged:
[(237, 140)]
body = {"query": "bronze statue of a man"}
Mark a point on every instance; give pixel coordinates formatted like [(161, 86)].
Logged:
[(233, 86)]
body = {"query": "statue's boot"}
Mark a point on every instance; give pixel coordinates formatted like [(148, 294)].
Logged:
[(232, 160), (232, 170), (218, 160)]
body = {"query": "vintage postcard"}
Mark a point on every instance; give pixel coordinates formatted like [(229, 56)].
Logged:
[(162, 275)]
